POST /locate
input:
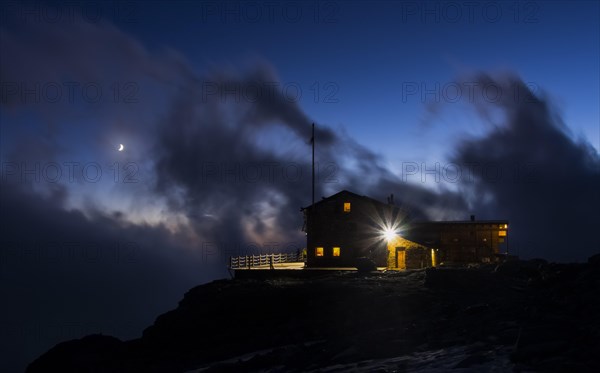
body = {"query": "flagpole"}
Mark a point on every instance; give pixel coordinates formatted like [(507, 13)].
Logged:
[(313, 163)]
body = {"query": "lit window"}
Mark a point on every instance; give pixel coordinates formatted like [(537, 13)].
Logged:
[(505, 226), (319, 251), (346, 206), (502, 233), (336, 251)]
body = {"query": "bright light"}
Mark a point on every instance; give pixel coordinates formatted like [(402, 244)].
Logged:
[(389, 234), (386, 224)]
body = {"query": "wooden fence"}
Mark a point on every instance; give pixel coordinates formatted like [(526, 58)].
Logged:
[(249, 261)]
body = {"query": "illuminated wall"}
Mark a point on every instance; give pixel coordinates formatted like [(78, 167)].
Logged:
[(406, 254)]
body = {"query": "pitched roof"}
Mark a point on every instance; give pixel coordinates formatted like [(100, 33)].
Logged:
[(345, 192), (428, 222), (414, 223)]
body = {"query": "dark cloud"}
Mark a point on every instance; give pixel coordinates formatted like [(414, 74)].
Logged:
[(212, 162), (529, 170)]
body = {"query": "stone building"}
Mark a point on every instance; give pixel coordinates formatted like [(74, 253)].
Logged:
[(346, 226)]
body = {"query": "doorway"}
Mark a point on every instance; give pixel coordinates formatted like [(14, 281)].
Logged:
[(401, 257)]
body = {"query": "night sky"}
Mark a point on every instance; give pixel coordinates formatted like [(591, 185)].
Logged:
[(457, 108)]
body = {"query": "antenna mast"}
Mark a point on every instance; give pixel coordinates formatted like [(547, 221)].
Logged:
[(313, 163)]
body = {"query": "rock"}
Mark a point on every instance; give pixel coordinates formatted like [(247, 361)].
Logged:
[(518, 269), (477, 308), (364, 264), (302, 324), (510, 268), (472, 360), (594, 260), (97, 351), (535, 263), (539, 350), (475, 280)]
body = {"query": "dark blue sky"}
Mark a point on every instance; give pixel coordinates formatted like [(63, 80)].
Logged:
[(370, 50), (403, 95)]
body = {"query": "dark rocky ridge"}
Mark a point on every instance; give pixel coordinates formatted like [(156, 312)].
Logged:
[(527, 315)]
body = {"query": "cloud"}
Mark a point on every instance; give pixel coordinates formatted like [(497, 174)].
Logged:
[(540, 178)]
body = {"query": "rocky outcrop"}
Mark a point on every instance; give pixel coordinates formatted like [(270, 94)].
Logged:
[(521, 315)]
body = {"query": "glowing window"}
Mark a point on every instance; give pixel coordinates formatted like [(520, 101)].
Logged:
[(336, 251), (319, 251), (502, 233), (346, 206)]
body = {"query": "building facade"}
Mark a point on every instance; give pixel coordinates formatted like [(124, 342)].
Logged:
[(347, 226), (460, 242), (343, 227)]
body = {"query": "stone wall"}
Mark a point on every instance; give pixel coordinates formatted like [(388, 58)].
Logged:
[(415, 255)]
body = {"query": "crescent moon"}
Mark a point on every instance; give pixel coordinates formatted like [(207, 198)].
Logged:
[(121, 147)]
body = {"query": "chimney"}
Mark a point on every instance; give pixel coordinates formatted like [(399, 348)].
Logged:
[(472, 217)]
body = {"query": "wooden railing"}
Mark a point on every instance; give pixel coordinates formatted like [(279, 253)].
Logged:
[(249, 261)]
